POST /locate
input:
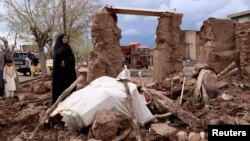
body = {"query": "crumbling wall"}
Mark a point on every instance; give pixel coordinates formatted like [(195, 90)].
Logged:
[(106, 59), (168, 54), (217, 43), (242, 42)]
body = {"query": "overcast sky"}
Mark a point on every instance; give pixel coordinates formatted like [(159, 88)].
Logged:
[(142, 28)]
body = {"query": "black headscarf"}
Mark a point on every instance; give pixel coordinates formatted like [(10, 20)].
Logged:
[(59, 39)]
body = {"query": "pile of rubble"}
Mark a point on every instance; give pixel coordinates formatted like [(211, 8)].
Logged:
[(182, 106)]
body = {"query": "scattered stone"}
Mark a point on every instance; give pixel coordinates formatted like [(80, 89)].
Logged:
[(203, 136), (226, 97), (194, 137), (243, 122), (163, 129), (40, 88), (105, 125), (182, 136), (176, 78)]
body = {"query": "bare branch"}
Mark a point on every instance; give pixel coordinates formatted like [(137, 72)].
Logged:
[(52, 19), (10, 3)]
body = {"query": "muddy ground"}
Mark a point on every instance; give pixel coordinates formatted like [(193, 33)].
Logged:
[(20, 115)]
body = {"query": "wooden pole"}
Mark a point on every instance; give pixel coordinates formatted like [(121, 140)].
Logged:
[(232, 72), (175, 109), (132, 110), (228, 68), (182, 91)]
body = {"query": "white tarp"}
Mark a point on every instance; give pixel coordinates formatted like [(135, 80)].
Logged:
[(79, 109)]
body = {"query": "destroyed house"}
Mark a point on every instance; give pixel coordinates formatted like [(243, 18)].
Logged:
[(135, 56)]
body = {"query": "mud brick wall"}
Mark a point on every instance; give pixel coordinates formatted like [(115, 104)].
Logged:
[(168, 54), (217, 46), (106, 58), (242, 42)]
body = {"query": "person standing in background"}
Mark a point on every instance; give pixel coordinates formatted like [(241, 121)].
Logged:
[(63, 67), (9, 76), (34, 63), (2, 64)]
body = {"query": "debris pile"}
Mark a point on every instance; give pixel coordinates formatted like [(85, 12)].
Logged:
[(183, 115)]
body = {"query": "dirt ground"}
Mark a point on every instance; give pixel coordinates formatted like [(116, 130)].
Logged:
[(20, 115)]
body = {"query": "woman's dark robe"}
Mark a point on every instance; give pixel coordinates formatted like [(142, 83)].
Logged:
[(63, 77), (2, 64)]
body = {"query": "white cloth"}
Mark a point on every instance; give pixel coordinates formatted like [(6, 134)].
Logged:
[(10, 84), (124, 75), (79, 109), (9, 93)]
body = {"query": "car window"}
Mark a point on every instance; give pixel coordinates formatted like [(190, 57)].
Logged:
[(21, 55)]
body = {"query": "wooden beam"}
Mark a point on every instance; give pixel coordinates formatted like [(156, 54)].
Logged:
[(131, 11)]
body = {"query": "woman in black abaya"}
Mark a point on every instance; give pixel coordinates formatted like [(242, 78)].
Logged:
[(63, 67)]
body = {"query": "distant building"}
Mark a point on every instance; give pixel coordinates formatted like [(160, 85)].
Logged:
[(189, 40), (29, 48), (136, 56), (240, 17)]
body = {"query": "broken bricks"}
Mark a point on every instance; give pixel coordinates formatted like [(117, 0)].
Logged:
[(105, 120), (164, 130)]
